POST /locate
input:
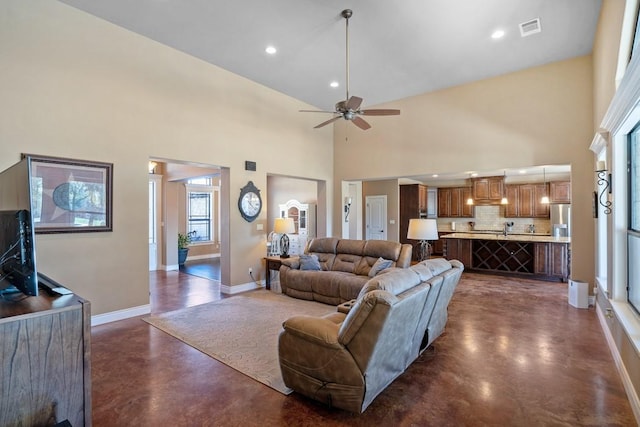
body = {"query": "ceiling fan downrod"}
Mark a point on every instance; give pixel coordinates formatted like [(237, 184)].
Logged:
[(346, 14)]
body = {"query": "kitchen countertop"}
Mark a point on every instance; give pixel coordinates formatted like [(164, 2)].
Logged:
[(514, 237)]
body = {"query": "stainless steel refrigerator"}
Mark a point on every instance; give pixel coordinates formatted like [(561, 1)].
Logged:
[(561, 220)]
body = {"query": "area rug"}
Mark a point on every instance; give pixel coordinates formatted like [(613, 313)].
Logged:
[(240, 331)]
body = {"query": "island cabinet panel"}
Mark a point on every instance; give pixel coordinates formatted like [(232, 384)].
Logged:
[(532, 256), (460, 249), (488, 190), (437, 246), (560, 192), (552, 259)]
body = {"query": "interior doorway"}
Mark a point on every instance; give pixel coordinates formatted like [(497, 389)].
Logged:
[(187, 198)]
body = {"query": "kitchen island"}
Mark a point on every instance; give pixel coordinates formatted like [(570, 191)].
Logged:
[(532, 255)]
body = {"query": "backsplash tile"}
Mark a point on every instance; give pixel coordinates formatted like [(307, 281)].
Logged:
[(492, 218)]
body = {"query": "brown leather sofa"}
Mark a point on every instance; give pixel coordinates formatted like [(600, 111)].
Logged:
[(344, 265), (346, 359)]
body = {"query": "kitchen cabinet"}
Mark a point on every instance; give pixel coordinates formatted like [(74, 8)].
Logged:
[(524, 201), (414, 203), (437, 246), (552, 259), (460, 249), (452, 203), (560, 192), (488, 190)]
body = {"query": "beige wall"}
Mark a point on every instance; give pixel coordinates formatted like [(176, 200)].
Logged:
[(282, 189), (538, 116), (391, 189), (605, 56), (76, 86)]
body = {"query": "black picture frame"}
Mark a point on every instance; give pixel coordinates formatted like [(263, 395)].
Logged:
[(594, 204), (70, 196)]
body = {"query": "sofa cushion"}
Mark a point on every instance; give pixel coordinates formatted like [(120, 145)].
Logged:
[(346, 263), (382, 249), (395, 281), (309, 262), (379, 265)]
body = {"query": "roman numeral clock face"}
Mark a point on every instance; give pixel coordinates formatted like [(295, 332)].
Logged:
[(249, 203)]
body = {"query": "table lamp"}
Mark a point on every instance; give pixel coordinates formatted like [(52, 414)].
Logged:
[(423, 230), (284, 226)]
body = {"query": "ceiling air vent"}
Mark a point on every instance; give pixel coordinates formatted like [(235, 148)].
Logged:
[(530, 27)]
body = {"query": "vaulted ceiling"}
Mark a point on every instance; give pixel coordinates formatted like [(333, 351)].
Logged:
[(397, 48)]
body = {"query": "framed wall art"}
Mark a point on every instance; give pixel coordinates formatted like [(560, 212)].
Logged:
[(70, 196)]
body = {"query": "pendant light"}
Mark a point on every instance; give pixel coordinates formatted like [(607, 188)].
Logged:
[(545, 199), (504, 200), (470, 199)]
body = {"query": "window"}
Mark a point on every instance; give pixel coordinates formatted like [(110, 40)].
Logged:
[(202, 202), (633, 228)]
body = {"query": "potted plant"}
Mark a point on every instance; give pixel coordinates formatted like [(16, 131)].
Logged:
[(183, 247)]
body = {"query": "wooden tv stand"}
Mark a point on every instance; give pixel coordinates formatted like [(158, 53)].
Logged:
[(45, 360)]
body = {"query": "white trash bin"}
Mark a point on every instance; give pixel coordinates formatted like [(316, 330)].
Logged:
[(579, 294)]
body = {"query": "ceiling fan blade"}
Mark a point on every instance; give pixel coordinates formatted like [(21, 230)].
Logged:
[(353, 103), (327, 122), (316, 111), (361, 123), (380, 112)]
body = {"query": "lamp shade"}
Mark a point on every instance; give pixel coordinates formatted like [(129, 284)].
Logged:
[(284, 226), (423, 229)]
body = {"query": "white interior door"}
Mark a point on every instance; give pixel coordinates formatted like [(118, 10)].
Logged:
[(376, 217)]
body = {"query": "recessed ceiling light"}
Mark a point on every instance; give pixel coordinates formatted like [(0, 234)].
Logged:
[(334, 84), (522, 171), (271, 50), (497, 34), (474, 174), (435, 175)]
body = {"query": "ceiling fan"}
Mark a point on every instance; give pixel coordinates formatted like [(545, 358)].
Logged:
[(349, 109)]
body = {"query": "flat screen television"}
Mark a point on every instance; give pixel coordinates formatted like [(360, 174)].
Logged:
[(18, 258)]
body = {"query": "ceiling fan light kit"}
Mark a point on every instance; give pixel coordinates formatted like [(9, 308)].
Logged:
[(349, 109)]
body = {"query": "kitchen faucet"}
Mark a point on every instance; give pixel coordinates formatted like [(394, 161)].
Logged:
[(504, 231)]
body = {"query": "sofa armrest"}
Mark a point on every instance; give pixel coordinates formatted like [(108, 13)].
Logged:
[(345, 307), (293, 262), (317, 330)]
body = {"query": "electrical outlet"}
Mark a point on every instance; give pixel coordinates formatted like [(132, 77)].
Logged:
[(250, 270)]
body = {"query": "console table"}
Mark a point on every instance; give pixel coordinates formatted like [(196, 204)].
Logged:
[(45, 362), (272, 263)]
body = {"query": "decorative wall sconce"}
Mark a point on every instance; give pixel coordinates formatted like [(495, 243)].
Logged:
[(347, 208), (604, 181)]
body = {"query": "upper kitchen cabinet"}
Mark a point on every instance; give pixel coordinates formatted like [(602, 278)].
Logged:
[(488, 190), (452, 203), (560, 192), (524, 201)]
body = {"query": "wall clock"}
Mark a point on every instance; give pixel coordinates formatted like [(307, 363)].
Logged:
[(249, 202)]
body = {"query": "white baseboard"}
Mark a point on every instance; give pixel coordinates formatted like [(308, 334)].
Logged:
[(206, 256), (622, 370), (230, 290), (171, 267), (126, 313)]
